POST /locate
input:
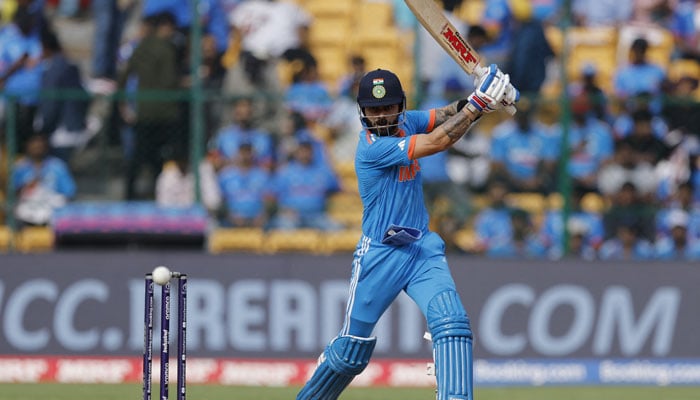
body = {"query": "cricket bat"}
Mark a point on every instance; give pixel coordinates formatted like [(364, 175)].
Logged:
[(434, 21)]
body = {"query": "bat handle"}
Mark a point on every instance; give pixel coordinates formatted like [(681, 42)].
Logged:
[(511, 110)]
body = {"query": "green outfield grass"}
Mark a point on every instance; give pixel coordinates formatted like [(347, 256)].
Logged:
[(207, 392)]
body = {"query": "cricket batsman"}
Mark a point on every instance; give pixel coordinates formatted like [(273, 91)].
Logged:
[(397, 251)]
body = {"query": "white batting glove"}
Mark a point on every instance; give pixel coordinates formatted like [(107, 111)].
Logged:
[(493, 90)]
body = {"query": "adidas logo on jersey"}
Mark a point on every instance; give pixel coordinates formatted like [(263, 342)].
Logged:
[(402, 144)]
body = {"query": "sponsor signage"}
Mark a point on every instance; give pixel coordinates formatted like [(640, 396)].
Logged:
[(288, 307)]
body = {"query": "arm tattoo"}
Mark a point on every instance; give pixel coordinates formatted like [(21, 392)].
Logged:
[(457, 125), (443, 113)]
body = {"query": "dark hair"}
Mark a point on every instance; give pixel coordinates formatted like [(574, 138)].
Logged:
[(640, 44), (641, 115), (49, 40), (477, 30), (166, 17)]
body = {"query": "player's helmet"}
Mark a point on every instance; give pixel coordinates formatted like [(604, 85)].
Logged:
[(381, 88)]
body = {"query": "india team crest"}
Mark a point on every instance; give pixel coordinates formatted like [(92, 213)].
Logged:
[(378, 91)]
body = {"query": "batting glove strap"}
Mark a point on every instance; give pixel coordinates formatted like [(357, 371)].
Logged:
[(477, 104)]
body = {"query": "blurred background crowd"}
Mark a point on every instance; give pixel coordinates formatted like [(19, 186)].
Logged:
[(248, 111)]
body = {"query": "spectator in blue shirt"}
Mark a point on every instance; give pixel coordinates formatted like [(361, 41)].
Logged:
[(245, 189), (20, 71), (307, 94), (492, 225), (678, 245), (590, 142), (524, 242), (524, 153), (301, 189), (627, 244), (588, 225), (682, 200), (243, 128), (42, 182), (640, 75)]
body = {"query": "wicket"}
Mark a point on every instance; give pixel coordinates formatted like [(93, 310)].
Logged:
[(165, 337)]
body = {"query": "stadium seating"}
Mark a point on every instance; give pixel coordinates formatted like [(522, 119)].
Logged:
[(471, 11), (595, 46), (343, 241), (33, 239), (660, 43), (299, 240), (533, 202), (5, 238), (594, 203), (466, 240), (236, 239)]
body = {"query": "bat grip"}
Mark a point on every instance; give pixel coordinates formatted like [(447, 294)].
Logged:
[(511, 110)]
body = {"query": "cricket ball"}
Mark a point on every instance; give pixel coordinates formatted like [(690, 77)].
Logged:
[(161, 275)]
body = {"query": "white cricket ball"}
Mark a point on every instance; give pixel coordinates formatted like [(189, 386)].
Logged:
[(161, 275)]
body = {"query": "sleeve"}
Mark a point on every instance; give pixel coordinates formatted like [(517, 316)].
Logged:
[(66, 184), (389, 151), (420, 121)]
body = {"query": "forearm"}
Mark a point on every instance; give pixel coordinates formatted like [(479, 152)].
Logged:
[(451, 130), (446, 134), (442, 114)]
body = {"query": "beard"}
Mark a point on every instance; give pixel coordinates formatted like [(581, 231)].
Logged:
[(385, 126)]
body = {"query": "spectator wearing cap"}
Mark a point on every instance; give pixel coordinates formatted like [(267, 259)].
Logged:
[(245, 188), (301, 189), (678, 245)]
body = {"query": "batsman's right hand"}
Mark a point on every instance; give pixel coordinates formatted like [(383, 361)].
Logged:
[(493, 90)]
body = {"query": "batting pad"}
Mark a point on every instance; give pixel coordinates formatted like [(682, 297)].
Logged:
[(452, 346), (344, 358)]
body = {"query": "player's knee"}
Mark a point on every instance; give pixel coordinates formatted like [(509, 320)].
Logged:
[(349, 355), (446, 316)]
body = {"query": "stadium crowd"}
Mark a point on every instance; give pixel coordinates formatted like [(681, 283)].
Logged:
[(272, 159)]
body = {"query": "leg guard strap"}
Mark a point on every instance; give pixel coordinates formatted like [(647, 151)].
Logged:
[(344, 358)]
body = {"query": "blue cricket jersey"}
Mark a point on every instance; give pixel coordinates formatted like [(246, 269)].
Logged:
[(389, 177)]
